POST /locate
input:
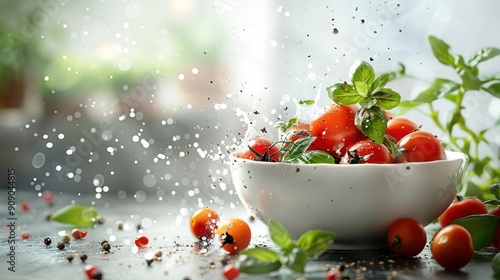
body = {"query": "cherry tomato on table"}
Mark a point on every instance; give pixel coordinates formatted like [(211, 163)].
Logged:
[(204, 223), (263, 147), (419, 146), (406, 237), (399, 127), (452, 247), (335, 130), (367, 151), (235, 235), (462, 207)]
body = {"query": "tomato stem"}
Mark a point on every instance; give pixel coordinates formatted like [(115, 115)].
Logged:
[(396, 242)]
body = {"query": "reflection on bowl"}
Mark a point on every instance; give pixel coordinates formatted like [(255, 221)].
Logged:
[(357, 202)]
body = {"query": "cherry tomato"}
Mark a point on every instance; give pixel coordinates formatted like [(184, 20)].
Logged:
[(230, 272), (462, 207), (263, 147), (406, 237), (204, 222), (496, 239), (235, 235), (297, 131), (335, 130), (421, 146), (399, 127), (452, 247), (93, 272), (142, 241), (367, 151), (387, 114)]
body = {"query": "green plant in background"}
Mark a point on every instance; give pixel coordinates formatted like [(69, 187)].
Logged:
[(462, 136)]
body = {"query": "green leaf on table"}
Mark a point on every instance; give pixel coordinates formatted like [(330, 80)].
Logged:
[(280, 235), (482, 228), (441, 51), (297, 259), (363, 73), (483, 55), (315, 242), (258, 261), (372, 122), (344, 94), (78, 215)]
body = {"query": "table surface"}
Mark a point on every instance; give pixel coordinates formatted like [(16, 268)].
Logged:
[(167, 226)]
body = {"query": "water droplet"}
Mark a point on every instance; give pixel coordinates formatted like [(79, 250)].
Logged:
[(38, 160), (149, 180)]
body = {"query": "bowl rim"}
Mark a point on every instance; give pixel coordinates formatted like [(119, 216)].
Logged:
[(450, 157)]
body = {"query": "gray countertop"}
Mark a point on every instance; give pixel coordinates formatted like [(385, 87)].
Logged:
[(167, 226)]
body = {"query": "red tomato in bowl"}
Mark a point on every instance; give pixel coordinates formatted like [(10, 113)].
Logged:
[(399, 127), (264, 148), (297, 131), (462, 207), (335, 130), (420, 146), (367, 151)]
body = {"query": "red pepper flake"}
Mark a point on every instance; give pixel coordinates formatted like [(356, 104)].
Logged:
[(141, 241), (25, 207), (48, 197), (25, 235)]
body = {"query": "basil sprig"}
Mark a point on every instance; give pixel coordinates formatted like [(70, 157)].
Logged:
[(293, 255), (370, 92), (78, 215)]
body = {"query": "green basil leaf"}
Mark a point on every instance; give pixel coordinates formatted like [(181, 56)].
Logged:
[(285, 126), (363, 73), (368, 102), (387, 98), (372, 122), (280, 235), (297, 148), (470, 80), (361, 88), (495, 202), (438, 88), (482, 228), (258, 261), (379, 83), (483, 55), (495, 189), (78, 215), (314, 157), (343, 94), (493, 89), (441, 51), (315, 242), (306, 102), (297, 260)]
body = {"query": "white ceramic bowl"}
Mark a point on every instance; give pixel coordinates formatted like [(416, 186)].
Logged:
[(357, 202)]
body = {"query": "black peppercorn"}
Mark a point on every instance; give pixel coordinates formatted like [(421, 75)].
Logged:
[(47, 241), (61, 245), (106, 247)]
